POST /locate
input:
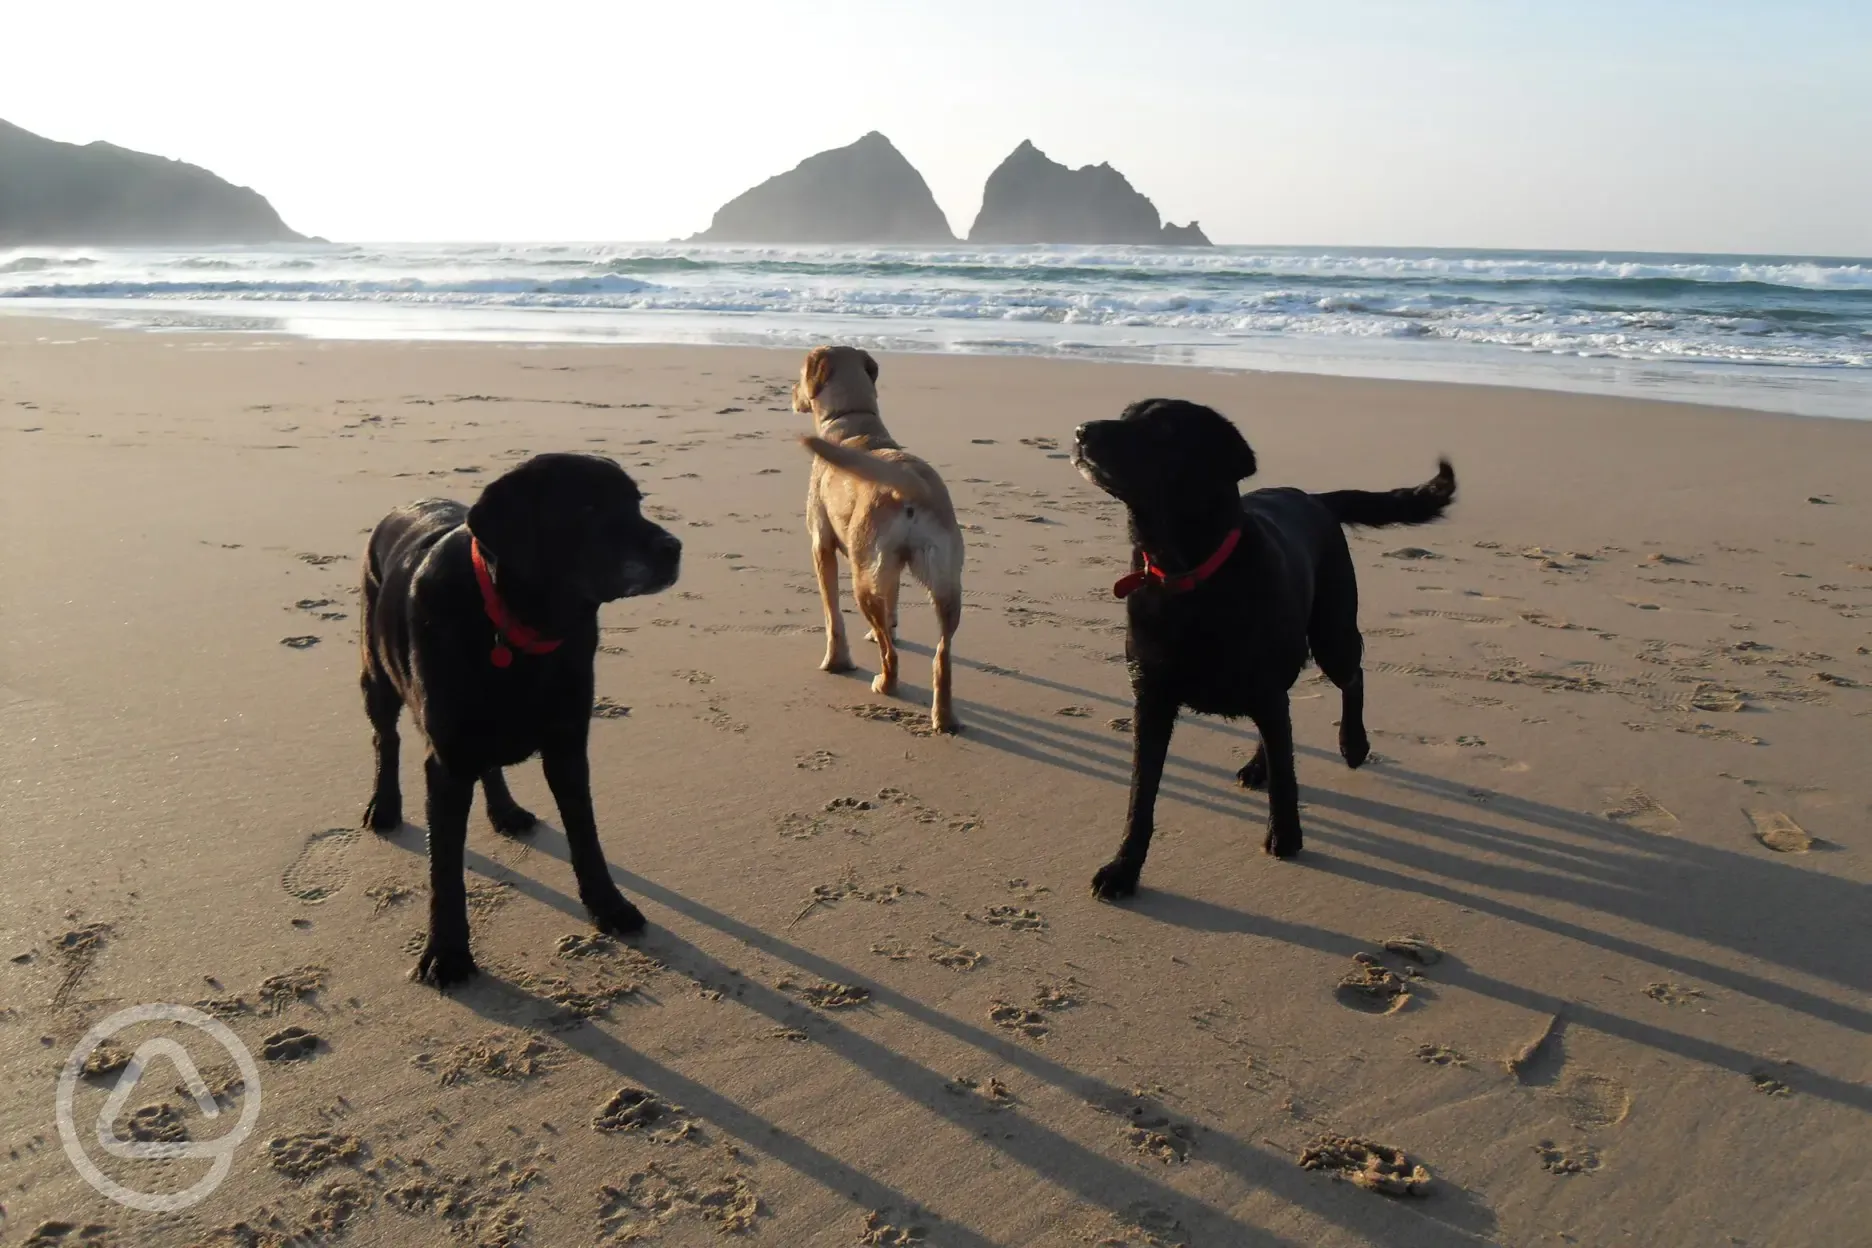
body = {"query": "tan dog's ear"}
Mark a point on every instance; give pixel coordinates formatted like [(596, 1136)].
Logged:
[(871, 368), (813, 376)]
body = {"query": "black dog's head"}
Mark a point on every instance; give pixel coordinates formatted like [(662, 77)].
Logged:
[(1162, 452), (572, 527)]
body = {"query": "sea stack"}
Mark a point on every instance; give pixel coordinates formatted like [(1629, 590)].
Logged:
[(865, 192), (100, 194), (1032, 199)]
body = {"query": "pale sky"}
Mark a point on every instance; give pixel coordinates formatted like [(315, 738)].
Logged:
[(1718, 125)]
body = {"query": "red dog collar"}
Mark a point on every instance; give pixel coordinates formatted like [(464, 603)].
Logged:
[(1152, 574), (507, 630)]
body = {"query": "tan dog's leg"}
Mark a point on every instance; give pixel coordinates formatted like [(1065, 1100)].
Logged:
[(948, 618), (825, 565), (869, 587)]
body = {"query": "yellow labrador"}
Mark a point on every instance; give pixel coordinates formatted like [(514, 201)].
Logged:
[(886, 509)]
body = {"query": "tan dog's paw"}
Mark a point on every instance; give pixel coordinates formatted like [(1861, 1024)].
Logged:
[(836, 663), (883, 684)]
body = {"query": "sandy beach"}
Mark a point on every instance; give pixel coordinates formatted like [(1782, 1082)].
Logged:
[(1612, 855)]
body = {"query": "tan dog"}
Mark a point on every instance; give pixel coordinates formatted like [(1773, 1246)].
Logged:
[(886, 509)]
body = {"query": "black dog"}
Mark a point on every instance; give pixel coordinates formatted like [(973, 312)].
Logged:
[(484, 621), (1227, 594)]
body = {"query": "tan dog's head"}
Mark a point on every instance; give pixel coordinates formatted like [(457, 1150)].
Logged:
[(836, 380)]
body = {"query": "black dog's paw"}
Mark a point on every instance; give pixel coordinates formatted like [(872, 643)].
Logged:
[(1354, 749), (384, 814), (443, 965), (1115, 879), (1254, 774), (513, 821), (1282, 842), (614, 915)]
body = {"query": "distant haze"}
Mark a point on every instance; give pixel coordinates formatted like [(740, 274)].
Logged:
[(1723, 125)]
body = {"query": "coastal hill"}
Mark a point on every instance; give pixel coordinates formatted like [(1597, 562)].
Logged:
[(865, 192), (98, 193), (1032, 199)]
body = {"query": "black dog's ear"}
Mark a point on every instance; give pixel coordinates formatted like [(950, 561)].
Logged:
[(1232, 450), (503, 519), (870, 365)]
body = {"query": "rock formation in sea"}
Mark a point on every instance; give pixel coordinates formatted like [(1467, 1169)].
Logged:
[(100, 194), (865, 192), (1032, 199)]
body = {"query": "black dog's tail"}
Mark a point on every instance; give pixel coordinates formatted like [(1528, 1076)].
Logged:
[(1414, 504)]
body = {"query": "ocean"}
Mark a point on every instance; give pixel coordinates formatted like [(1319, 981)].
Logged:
[(1780, 333)]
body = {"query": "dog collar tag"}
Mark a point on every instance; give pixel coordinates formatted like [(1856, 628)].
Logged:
[(500, 656)]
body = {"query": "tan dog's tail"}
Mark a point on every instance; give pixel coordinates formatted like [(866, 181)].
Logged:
[(892, 474)]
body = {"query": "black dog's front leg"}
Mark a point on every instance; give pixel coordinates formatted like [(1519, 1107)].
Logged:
[(568, 774), (1276, 755), (446, 958), (1152, 722)]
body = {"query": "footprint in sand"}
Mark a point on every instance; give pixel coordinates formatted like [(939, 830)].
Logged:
[(631, 1109), (991, 1091), (1371, 988), (510, 1057), (1593, 1100), (1146, 1226), (657, 1195), (1373, 1166), (279, 991), (827, 995), (1441, 1055), (955, 957), (320, 869), (289, 1044), (57, 1233), (1018, 1018), (303, 642), (878, 1228), (1566, 1158), (1014, 918), (1635, 808), (1672, 994), (1150, 1131), (1764, 1082), (303, 1155), (1779, 832)]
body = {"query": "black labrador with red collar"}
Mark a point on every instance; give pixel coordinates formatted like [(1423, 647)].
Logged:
[(1228, 594), (483, 620)]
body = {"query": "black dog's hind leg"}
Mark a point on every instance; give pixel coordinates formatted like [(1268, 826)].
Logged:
[(384, 813), (509, 817), (1277, 752), (568, 774), (1153, 720), (446, 959)]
